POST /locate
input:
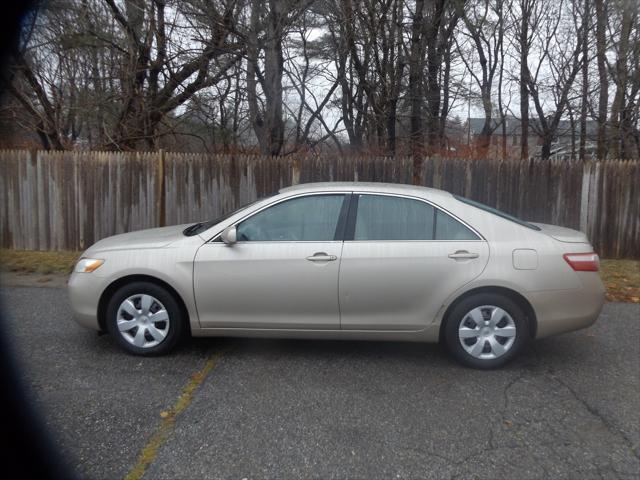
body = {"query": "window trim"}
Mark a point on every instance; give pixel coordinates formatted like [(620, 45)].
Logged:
[(350, 228), (343, 217), (351, 223), (340, 226)]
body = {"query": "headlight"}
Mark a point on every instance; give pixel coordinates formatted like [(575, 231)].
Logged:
[(88, 265)]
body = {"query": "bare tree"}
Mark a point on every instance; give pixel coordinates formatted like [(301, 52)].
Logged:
[(603, 84), (527, 22), (134, 60), (584, 97), (484, 25), (563, 64), (620, 134), (278, 76)]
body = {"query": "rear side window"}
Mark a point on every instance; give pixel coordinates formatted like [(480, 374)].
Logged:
[(393, 218), (448, 228), (381, 217)]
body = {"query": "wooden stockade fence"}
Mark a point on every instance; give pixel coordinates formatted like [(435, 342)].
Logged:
[(68, 200)]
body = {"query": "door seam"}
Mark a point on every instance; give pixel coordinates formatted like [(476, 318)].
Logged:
[(338, 287)]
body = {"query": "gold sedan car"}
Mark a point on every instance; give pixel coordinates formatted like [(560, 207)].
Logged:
[(363, 261)]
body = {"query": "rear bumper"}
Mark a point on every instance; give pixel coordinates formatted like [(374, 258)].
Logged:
[(568, 310), (84, 293)]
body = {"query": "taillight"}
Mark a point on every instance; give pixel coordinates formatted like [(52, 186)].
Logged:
[(583, 262)]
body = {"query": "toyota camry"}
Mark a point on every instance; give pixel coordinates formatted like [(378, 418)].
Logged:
[(366, 261)]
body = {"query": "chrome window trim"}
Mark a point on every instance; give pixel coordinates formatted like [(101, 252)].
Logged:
[(414, 241), (271, 242)]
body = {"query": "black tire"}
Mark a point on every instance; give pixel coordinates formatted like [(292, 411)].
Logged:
[(176, 321), (460, 311)]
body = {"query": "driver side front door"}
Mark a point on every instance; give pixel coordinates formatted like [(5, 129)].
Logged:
[(281, 274)]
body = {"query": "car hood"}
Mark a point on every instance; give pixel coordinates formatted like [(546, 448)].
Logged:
[(150, 238), (562, 234)]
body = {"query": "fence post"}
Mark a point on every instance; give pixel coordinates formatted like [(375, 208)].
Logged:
[(295, 171), (584, 196), (160, 194)]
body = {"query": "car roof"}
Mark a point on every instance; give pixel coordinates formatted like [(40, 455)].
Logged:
[(378, 187)]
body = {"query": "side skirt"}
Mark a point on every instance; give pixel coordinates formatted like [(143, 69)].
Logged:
[(429, 334)]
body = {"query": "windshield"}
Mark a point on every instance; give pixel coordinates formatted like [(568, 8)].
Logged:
[(200, 227), (497, 212)]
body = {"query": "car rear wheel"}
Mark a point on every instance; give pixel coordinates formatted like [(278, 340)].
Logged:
[(486, 330), (144, 319)]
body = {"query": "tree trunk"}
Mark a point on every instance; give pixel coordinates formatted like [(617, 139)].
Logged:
[(434, 57), (545, 151), (267, 123), (618, 136), (572, 126), (274, 68), (603, 96), (444, 112), (524, 80), (503, 120), (585, 82), (416, 55)]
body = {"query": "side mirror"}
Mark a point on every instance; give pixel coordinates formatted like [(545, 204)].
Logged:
[(229, 235)]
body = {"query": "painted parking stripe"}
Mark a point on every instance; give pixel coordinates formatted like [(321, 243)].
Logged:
[(150, 450)]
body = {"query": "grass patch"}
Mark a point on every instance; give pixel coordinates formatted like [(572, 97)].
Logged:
[(31, 261), (622, 279)]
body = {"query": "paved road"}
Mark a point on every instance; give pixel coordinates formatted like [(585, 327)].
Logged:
[(568, 408)]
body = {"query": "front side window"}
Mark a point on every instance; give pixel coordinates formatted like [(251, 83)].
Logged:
[(393, 218), (312, 218)]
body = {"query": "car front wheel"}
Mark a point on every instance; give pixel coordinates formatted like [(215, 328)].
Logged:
[(144, 319), (486, 330)]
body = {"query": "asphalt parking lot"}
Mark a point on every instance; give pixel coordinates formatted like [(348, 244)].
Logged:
[(568, 408)]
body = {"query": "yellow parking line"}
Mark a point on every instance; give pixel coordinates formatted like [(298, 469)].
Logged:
[(150, 450)]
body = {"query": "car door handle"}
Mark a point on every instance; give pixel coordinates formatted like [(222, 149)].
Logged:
[(463, 254), (321, 257)]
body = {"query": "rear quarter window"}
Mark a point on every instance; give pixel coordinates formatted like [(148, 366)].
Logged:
[(448, 228)]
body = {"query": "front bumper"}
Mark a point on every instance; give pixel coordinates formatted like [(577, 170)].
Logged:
[(85, 290), (562, 311)]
